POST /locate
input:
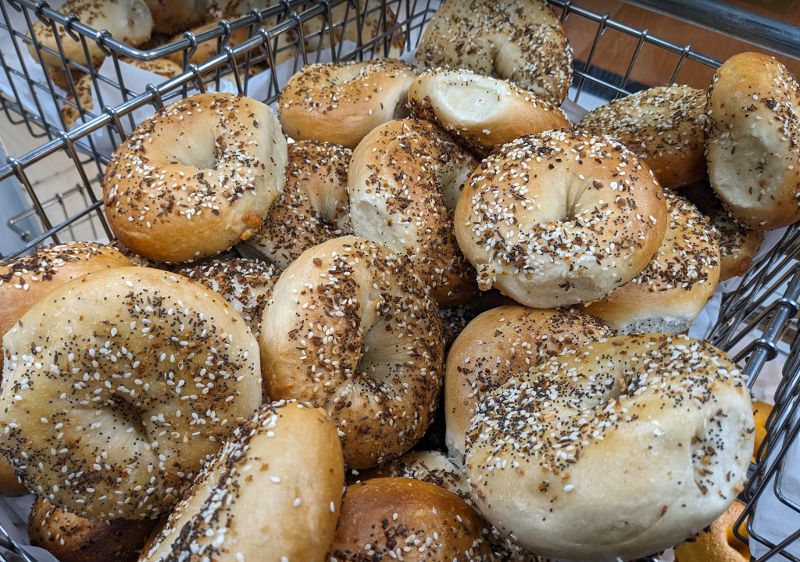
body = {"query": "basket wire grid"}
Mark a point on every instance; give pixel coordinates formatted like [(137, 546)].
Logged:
[(756, 322)]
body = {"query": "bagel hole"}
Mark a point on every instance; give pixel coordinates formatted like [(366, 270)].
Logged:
[(379, 353), (203, 156)]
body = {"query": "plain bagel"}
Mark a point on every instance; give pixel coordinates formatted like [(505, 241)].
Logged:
[(752, 147), (404, 180), (313, 207), (517, 40), (342, 102), (273, 492), (663, 422), (675, 286), (501, 343), (118, 384), (195, 178), (352, 329), (482, 112), (560, 218), (664, 126)]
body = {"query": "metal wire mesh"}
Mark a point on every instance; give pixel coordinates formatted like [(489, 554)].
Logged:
[(757, 320)]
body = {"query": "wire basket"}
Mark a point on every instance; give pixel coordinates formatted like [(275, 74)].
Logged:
[(757, 323), (350, 28)]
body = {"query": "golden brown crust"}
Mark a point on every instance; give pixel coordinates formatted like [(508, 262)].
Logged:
[(753, 141), (342, 102), (675, 286), (738, 245), (246, 284), (717, 543), (384, 517), (499, 344), (664, 126), (404, 180), (761, 412), (24, 281), (195, 178), (429, 466), (517, 40), (353, 330), (118, 384), (71, 538), (273, 492), (313, 207), (84, 86), (663, 421), (129, 21), (560, 218), (482, 112)]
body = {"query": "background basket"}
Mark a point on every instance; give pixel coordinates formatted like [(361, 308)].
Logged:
[(757, 323)]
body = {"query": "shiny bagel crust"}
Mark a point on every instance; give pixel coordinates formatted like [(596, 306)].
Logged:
[(499, 344), (404, 180), (664, 126), (195, 178), (273, 492), (663, 421), (560, 218), (752, 147), (313, 207), (415, 519), (342, 102), (352, 329), (118, 384), (677, 283)]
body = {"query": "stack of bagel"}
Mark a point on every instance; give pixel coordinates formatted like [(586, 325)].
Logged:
[(416, 315)]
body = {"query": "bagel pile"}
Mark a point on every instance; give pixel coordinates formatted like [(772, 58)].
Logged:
[(437, 322)]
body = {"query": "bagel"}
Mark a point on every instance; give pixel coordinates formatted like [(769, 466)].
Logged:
[(273, 492), (664, 126), (85, 85), (171, 16), (25, 280), (352, 329), (246, 284), (751, 147), (71, 538), (434, 467), (517, 40), (677, 283), (406, 519), (428, 466), (313, 207), (560, 218), (663, 421), (738, 245), (128, 21), (342, 102), (172, 196), (482, 112), (761, 412), (118, 384), (717, 543), (404, 180), (499, 344)]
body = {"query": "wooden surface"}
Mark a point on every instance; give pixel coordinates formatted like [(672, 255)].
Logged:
[(655, 66)]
